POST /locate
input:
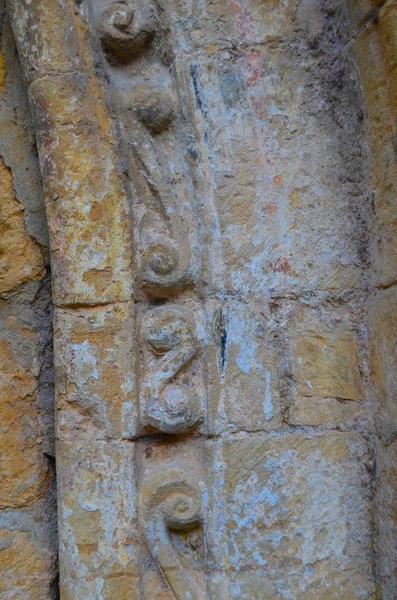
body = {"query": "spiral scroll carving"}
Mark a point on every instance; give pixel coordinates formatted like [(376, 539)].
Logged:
[(171, 502), (170, 407), (154, 107), (127, 29), (138, 59), (160, 262)]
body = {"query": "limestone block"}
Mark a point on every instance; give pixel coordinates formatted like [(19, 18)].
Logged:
[(324, 366), (26, 570), (24, 475), (94, 362), (323, 411), (20, 257), (213, 24), (48, 41), (86, 204), (99, 537), (260, 134), (383, 357), (290, 516), (386, 518), (248, 395), (87, 208), (376, 54)]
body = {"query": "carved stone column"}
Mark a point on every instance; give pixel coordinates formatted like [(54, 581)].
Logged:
[(132, 383), (151, 100), (212, 429), (92, 272)]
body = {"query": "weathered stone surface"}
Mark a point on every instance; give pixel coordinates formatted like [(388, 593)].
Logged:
[(376, 55), (248, 393), (376, 51), (3, 72), (216, 25), (383, 333), (362, 10), (291, 516), (94, 362), (20, 257), (27, 511), (234, 129), (83, 189), (26, 570), (323, 411), (17, 142), (87, 207), (386, 520), (300, 233), (324, 365), (98, 521), (173, 498), (23, 469), (48, 50)]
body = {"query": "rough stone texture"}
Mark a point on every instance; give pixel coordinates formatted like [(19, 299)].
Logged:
[(85, 198), (325, 368), (21, 259), (386, 521), (23, 466), (286, 524), (93, 505), (224, 316), (27, 495), (383, 331), (361, 11), (375, 49), (25, 566), (95, 383)]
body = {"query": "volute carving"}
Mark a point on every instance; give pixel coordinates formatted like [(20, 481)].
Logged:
[(171, 504), (170, 405), (127, 29), (146, 102), (160, 260), (134, 36), (154, 107), (166, 202)]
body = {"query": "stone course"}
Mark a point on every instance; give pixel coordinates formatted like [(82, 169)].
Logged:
[(210, 188)]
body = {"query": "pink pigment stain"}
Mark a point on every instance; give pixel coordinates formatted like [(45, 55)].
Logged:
[(278, 181), (236, 8), (282, 266), (245, 25), (270, 209)]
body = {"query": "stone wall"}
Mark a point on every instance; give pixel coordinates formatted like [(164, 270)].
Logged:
[(218, 178), (28, 539), (375, 47)]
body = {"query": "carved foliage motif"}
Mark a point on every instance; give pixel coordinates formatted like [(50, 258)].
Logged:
[(139, 65), (134, 41), (143, 82), (171, 405), (171, 503)]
